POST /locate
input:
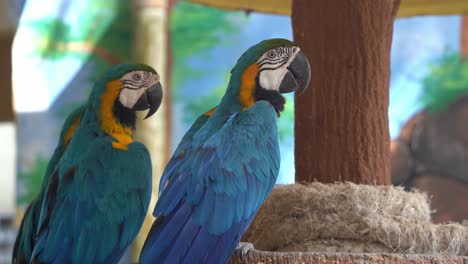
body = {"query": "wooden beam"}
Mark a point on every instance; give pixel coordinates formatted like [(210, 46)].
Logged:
[(8, 20), (432, 7), (280, 7), (408, 8)]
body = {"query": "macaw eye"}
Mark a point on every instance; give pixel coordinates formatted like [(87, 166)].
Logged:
[(271, 54), (136, 77)]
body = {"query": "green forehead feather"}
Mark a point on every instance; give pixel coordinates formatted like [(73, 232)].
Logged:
[(255, 52), (273, 43), (119, 70), (114, 73)]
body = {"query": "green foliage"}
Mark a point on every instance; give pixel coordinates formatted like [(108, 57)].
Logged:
[(49, 32), (118, 36), (199, 105), (32, 180), (447, 80), (194, 30), (102, 23)]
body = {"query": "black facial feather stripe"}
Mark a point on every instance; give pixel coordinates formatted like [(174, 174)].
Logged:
[(129, 82), (281, 56), (283, 51), (132, 82), (130, 85), (267, 59), (279, 62), (273, 67), (274, 60)]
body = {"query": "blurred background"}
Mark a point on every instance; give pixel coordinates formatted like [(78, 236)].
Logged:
[(52, 53)]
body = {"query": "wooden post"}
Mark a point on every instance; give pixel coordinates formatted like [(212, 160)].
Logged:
[(151, 47), (464, 37), (7, 129), (6, 96), (8, 24), (341, 126), (408, 8)]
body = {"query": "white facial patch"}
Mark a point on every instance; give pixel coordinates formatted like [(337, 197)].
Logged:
[(129, 97), (274, 66), (135, 84), (271, 79)]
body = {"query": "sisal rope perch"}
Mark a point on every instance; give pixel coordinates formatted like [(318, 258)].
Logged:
[(352, 219)]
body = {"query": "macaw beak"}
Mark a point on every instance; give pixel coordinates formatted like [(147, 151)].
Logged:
[(298, 77), (151, 100)]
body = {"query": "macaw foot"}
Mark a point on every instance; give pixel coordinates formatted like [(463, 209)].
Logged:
[(244, 247)]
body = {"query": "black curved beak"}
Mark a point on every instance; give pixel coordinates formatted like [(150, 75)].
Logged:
[(298, 77), (151, 100)]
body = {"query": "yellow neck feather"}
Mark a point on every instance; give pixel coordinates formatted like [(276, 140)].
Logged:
[(247, 88), (210, 112), (109, 124), (70, 131)]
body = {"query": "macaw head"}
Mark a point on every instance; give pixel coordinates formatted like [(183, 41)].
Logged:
[(268, 69), (116, 97), (125, 89), (136, 87)]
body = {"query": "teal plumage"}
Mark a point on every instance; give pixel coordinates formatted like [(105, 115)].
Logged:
[(221, 173), (185, 143), (97, 197), (70, 124), (25, 239)]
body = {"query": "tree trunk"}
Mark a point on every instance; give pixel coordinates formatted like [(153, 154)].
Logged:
[(341, 127), (151, 48), (464, 37), (85, 47)]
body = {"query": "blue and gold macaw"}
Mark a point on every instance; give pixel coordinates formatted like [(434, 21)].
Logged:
[(185, 143), (97, 197), (215, 183), (27, 231)]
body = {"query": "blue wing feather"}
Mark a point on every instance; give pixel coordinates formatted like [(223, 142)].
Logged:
[(25, 239), (184, 144), (219, 185)]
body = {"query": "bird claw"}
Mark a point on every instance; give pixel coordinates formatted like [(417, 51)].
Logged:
[(244, 247)]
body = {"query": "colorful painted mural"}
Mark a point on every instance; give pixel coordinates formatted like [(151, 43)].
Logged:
[(63, 46)]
